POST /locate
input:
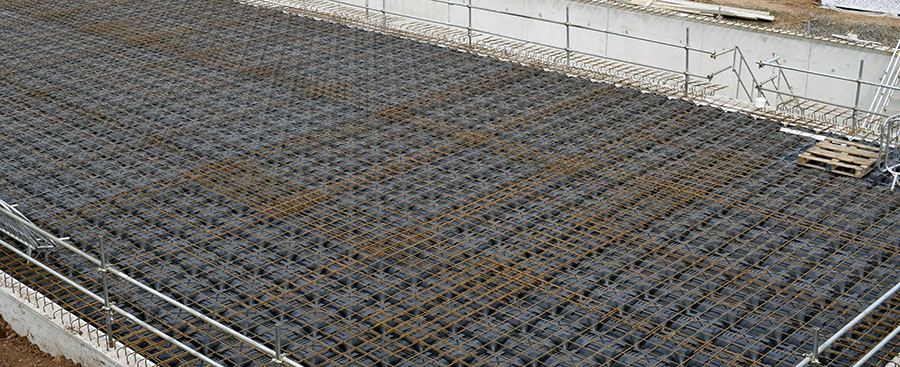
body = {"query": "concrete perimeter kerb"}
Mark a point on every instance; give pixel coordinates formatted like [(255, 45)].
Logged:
[(48, 333)]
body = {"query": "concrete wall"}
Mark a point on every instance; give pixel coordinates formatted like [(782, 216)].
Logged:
[(53, 329), (756, 44), (884, 6)]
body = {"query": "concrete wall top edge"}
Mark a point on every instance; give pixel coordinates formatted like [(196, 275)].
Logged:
[(733, 24)]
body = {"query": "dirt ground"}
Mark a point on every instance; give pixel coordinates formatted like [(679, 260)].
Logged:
[(794, 15), (16, 351)]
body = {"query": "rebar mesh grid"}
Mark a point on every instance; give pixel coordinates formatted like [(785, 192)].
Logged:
[(870, 332), (397, 203)]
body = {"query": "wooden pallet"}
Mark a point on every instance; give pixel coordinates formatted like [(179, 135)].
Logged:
[(841, 157)]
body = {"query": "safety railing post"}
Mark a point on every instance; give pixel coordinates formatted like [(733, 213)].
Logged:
[(469, 27), (384, 13), (814, 354), (568, 41), (886, 137), (737, 72), (858, 87), (687, 59), (107, 309), (279, 359)]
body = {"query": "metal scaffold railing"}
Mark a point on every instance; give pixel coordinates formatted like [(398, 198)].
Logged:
[(890, 77), (548, 54), (860, 121), (789, 106), (340, 197), (889, 142), (15, 225)]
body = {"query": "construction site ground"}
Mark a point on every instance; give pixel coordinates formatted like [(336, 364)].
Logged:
[(794, 14), (17, 351), (390, 202)]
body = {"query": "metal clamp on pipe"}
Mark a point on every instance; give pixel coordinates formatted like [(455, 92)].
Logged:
[(762, 83), (771, 62), (711, 75), (716, 54)]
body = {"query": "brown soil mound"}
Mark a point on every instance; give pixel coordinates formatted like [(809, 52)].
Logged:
[(17, 351)]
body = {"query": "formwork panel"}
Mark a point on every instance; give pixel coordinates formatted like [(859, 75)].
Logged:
[(397, 203)]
